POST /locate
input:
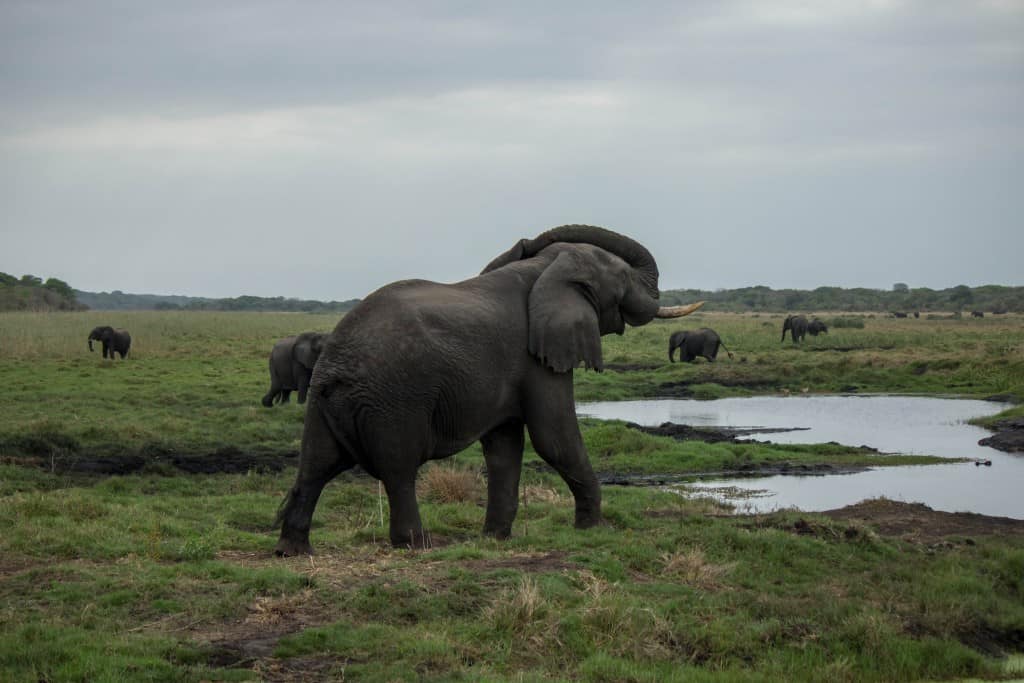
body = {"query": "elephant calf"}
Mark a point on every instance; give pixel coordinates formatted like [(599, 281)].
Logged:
[(291, 366), (796, 325), (114, 341), (693, 343), (816, 327)]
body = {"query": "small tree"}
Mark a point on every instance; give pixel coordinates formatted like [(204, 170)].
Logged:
[(900, 287), (60, 287)]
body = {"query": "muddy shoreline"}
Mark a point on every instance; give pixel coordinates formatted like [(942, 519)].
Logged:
[(1008, 437)]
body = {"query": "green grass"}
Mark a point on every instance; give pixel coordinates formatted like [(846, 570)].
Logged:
[(166, 576)]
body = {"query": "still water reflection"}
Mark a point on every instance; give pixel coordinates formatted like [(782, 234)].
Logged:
[(892, 424)]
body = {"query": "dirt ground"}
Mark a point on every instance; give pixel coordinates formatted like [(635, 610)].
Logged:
[(917, 522)]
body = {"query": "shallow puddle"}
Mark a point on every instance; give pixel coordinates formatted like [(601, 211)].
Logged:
[(892, 424)]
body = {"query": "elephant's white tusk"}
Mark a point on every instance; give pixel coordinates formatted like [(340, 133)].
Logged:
[(677, 311)]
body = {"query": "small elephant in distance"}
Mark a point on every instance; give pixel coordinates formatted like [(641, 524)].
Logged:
[(114, 341), (816, 327), (796, 325), (291, 366), (977, 314), (693, 343)]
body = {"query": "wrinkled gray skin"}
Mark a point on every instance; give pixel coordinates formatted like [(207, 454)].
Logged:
[(114, 341), (796, 325), (419, 371), (291, 366), (693, 343), (816, 327)]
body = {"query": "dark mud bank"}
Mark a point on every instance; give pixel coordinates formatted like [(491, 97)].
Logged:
[(1009, 436), (222, 461), (709, 434)]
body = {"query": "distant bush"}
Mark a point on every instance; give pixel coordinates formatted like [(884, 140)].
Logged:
[(900, 298), (847, 321), (30, 293)]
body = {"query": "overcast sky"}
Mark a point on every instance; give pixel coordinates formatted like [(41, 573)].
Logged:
[(323, 149)]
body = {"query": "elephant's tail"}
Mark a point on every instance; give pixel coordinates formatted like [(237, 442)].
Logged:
[(726, 348)]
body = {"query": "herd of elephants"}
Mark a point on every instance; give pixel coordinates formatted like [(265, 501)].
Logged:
[(419, 370)]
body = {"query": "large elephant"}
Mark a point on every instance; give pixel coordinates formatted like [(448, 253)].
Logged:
[(291, 366), (796, 325), (420, 370), (693, 343), (816, 327), (114, 341)]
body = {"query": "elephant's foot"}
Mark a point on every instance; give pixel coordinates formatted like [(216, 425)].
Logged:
[(498, 531), (415, 539), (290, 547), (588, 519)]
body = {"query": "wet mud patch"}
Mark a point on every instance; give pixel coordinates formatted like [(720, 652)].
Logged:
[(12, 565), (683, 388), (1008, 437), (683, 432), (528, 562), (632, 367), (917, 522), (222, 461)]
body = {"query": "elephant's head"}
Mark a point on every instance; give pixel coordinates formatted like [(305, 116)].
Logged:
[(307, 349), (100, 334), (595, 282)]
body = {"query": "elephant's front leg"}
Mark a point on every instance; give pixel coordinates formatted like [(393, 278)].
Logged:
[(503, 453), (304, 378), (555, 433)]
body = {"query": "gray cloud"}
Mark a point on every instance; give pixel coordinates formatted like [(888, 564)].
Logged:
[(323, 149)]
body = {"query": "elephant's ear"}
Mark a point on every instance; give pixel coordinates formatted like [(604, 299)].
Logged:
[(304, 354), (563, 320)]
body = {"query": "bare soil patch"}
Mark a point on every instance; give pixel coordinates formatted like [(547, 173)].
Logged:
[(917, 522)]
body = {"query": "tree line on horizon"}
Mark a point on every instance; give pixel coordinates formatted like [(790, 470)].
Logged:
[(31, 293)]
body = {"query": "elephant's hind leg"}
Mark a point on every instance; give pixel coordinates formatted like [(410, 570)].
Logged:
[(503, 453), (322, 459)]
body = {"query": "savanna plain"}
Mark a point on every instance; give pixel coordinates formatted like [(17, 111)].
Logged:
[(137, 499)]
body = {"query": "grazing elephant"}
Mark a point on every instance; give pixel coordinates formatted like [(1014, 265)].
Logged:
[(977, 314), (899, 314), (114, 341), (796, 325), (816, 327), (420, 370), (917, 314), (693, 343), (291, 366)]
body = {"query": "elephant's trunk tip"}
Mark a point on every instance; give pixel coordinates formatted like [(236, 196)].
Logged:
[(677, 311)]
